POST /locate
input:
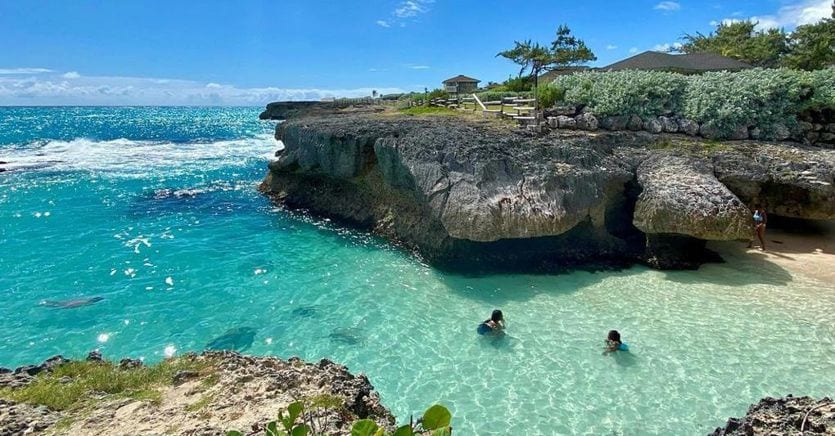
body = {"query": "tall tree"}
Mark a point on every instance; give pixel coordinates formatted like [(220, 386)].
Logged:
[(740, 40), (812, 46), (569, 50), (565, 50)]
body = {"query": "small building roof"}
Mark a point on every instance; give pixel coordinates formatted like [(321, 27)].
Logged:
[(461, 79), (695, 62)]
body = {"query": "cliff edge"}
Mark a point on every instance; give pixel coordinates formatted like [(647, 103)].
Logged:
[(470, 193)]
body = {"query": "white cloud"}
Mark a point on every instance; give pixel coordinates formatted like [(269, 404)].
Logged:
[(797, 14), (666, 46), (54, 89), (383, 23), (71, 75), (611, 47), (633, 50), (668, 6), (419, 67), (411, 8), (11, 71)]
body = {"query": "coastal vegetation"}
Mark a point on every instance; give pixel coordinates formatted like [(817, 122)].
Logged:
[(74, 384), (297, 421), (771, 99), (808, 47), (427, 110), (534, 59)]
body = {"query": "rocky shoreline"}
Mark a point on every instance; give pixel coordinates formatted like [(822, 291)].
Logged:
[(783, 416), (467, 193), (233, 391), (229, 391)]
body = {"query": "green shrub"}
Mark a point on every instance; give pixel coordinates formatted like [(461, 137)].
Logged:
[(437, 93), (758, 97), (548, 95), (766, 98), (436, 421), (519, 84), (643, 93), (822, 84)]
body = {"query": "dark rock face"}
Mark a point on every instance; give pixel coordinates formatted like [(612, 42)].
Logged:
[(783, 416), (283, 110), (797, 182), (466, 192)]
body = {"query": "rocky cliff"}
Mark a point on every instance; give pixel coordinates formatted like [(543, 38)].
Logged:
[(479, 193)]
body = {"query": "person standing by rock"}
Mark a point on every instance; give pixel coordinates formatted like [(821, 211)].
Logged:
[(760, 220)]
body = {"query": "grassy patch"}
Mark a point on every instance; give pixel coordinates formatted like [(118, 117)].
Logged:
[(324, 401), (210, 380), (87, 377), (427, 110), (199, 404), (691, 146)]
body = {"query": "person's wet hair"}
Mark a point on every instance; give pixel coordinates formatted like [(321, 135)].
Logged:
[(614, 335), (497, 316)]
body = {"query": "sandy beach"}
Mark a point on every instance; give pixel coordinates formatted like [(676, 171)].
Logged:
[(809, 251)]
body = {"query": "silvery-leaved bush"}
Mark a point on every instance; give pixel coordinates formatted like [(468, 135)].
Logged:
[(769, 99)]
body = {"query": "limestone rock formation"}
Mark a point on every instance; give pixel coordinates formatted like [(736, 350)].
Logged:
[(797, 182), (681, 196), (465, 192), (784, 416)]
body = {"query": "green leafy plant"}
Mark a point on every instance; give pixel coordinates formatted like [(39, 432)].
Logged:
[(436, 421)]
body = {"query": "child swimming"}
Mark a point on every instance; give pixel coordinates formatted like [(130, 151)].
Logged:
[(493, 325), (613, 342)]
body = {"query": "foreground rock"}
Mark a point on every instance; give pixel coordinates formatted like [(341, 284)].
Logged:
[(232, 391), (469, 193), (783, 416)]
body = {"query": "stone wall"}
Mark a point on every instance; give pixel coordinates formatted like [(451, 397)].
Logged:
[(814, 128)]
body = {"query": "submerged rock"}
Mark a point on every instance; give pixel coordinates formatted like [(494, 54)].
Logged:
[(235, 339)]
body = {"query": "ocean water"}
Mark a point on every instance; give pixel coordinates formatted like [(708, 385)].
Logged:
[(155, 210)]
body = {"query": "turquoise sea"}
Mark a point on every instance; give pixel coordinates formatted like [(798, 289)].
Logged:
[(156, 211)]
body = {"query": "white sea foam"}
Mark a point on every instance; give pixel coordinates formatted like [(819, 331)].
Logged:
[(129, 158)]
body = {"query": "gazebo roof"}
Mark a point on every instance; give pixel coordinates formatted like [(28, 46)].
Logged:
[(461, 78)]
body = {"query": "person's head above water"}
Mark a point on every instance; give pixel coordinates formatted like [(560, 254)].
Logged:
[(614, 336), (497, 316)]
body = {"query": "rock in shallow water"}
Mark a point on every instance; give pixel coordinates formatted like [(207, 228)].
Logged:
[(784, 416)]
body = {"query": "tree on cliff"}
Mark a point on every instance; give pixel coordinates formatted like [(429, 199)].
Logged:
[(740, 40), (809, 47), (566, 50), (812, 46)]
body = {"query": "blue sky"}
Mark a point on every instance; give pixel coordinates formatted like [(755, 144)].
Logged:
[(251, 52)]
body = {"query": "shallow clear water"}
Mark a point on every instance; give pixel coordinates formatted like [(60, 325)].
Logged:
[(155, 209)]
